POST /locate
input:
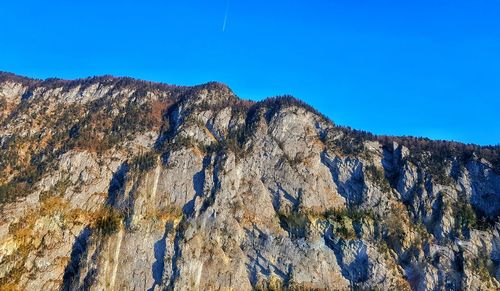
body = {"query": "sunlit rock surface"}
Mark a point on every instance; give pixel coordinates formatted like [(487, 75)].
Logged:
[(118, 184)]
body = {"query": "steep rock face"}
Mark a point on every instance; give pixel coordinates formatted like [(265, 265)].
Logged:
[(112, 183)]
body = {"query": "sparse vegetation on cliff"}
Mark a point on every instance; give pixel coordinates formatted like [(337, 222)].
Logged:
[(123, 177)]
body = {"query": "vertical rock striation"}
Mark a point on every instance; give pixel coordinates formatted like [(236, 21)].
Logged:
[(113, 183)]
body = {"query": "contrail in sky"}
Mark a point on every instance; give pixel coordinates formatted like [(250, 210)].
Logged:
[(225, 16)]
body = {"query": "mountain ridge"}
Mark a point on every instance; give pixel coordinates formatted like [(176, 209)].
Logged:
[(54, 81), (114, 183)]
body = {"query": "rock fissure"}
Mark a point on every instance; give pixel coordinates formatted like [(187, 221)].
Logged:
[(114, 183)]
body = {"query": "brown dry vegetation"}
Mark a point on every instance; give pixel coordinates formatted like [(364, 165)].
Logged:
[(27, 236)]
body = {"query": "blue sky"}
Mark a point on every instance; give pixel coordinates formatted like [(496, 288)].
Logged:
[(423, 68)]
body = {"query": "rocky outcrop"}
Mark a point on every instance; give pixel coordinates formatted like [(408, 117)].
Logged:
[(110, 183)]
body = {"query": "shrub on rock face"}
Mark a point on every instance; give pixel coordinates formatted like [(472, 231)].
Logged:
[(377, 176), (343, 220), (108, 221), (144, 162), (296, 223), (479, 266), (465, 217), (11, 191)]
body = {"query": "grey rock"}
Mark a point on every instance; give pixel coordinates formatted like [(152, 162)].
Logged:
[(206, 192)]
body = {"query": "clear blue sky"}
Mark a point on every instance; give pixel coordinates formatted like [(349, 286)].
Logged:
[(425, 68)]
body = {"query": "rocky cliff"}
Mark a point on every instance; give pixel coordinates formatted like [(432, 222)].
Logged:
[(118, 184)]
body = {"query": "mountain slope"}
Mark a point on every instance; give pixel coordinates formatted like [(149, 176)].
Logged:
[(115, 183)]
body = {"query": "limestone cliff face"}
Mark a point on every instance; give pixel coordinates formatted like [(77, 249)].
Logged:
[(118, 184)]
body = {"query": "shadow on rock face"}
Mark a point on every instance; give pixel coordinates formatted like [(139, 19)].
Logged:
[(198, 185), (351, 256), (159, 252), (117, 183), (72, 270), (351, 188)]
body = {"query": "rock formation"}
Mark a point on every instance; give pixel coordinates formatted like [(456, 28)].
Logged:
[(118, 184)]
